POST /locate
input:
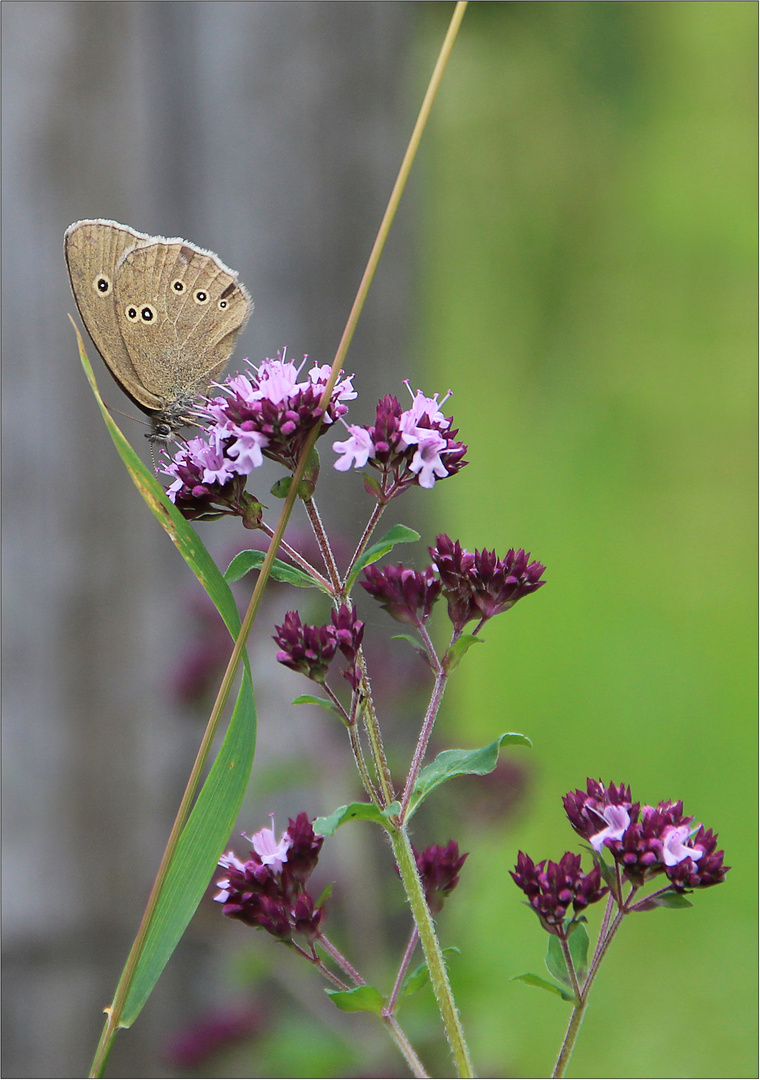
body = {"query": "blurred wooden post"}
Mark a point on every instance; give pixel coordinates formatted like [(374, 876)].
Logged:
[(270, 133)]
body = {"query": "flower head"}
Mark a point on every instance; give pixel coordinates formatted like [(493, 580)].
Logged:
[(407, 595), (268, 891), (206, 484), (304, 648), (349, 632), (267, 413), (310, 649), (645, 840), (273, 411), (439, 870), (599, 808), (552, 888), (479, 586), (416, 446), (703, 866)]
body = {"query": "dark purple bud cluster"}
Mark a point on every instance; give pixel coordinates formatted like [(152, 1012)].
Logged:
[(645, 841), (310, 649), (479, 585), (439, 870), (407, 595), (552, 888), (269, 890), (476, 586)]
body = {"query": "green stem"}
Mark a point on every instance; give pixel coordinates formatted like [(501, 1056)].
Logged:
[(361, 764), (324, 544), (372, 727), (402, 1042), (576, 1018), (436, 698), (571, 1035), (407, 865)]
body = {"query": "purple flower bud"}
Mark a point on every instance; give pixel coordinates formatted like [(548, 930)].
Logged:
[(306, 649), (552, 888), (268, 891), (439, 870), (479, 586), (349, 630), (407, 595)]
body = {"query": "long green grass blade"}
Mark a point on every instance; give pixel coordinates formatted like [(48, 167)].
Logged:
[(216, 808)]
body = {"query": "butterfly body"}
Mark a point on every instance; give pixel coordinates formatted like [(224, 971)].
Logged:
[(163, 313)]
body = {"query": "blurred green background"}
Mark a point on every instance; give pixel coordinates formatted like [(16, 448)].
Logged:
[(590, 296), (587, 287)]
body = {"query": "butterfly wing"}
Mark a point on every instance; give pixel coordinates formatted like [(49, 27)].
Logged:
[(93, 250), (179, 310)]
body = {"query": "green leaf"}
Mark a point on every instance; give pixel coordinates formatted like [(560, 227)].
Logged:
[(415, 980), (324, 703), (361, 999), (452, 763), (202, 841), (357, 811), (609, 877), (245, 561), (212, 819), (410, 638), (399, 534), (325, 895), (542, 984), (670, 899), (578, 944), (454, 655)]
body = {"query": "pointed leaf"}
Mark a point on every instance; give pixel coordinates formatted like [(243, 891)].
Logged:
[(361, 999), (454, 655), (415, 980), (213, 816), (357, 811), (542, 984), (410, 638), (578, 944), (399, 534), (670, 899), (324, 703), (252, 559), (325, 895), (202, 842), (452, 763)]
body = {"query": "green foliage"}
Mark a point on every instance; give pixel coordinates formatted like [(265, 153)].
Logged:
[(245, 561), (577, 942), (360, 999), (543, 984), (216, 807), (357, 811), (399, 534), (451, 763)]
